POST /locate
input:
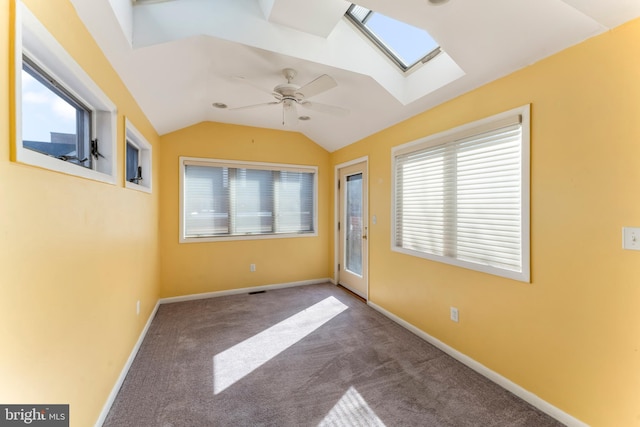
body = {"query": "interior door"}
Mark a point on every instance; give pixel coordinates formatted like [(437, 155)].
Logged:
[(353, 229)]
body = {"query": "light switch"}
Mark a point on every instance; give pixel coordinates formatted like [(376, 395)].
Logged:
[(631, 238)]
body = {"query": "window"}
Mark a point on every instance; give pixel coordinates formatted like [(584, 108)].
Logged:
[(137, 160), (228, 200), (134, 170), (462, 196), (65, 122), (54, 122), (404, 44)]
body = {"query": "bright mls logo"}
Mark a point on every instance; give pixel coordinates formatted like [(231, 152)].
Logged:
[(34, 415)]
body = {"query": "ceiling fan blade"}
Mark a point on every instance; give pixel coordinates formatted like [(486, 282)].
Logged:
[(289, 114), (244, 80), (319, 85), (324, 108), (247, 107)]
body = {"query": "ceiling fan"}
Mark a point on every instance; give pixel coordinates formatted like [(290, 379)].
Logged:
[(290, 95)]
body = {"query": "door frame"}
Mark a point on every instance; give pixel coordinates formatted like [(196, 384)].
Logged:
[(336, 217)]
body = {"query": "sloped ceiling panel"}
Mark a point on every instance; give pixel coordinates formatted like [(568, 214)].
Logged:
[(177, 57)]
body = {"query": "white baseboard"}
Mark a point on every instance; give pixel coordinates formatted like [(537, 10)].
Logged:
[(205, 295), (125, 370), (505, 383)]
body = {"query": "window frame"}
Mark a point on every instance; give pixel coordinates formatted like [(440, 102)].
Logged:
[(83, 126), (456, 134), (137, 167), (34, 41), (145, 158), (198, 161), (381, 45)]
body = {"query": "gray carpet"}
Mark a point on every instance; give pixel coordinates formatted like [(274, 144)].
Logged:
[(306, 356)]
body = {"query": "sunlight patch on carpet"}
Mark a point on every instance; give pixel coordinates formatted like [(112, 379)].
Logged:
[(240, 360), (351, 410)]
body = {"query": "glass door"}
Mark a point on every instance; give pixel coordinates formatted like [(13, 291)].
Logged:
[(352, 271)]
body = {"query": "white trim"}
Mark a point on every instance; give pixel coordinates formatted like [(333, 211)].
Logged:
[(125, 369), (199, 161), (464, 131), (202, 161), (336, 213), (503, 382), (145, 157), (216, 294), (34, 39), (246, 237), (127, 366)]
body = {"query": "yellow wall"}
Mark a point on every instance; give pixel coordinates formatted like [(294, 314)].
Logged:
[(191, 268), (75, 254), (572, 336)]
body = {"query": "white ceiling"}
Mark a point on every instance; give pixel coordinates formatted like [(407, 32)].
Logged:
[(177, 57)]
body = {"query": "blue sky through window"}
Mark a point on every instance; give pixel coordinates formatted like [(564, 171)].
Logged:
[(406, 43), (44, 112)]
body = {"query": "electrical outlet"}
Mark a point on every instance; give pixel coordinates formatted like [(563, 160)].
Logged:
[(252, 268), (138, 307), (454, 314)]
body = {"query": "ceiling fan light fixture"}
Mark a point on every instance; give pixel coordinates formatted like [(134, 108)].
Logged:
[(291, 95)]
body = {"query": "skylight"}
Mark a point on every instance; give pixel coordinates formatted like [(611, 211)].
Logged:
[(405, 44)]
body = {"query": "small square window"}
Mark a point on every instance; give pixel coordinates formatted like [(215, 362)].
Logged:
[(137, 160), (134, 170)]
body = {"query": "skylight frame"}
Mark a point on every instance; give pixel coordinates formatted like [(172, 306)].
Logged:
[(143, 2), (380, 43)]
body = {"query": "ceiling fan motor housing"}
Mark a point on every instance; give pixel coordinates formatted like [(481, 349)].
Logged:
[(287, 90)]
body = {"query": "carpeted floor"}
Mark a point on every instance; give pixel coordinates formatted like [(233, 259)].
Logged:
[(306, 356)]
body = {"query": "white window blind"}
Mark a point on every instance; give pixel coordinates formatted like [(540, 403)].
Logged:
[(294, 204), (206, 201), (461, 198), (246, 200)]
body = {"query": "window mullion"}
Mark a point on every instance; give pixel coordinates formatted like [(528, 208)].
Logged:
[(450, 201), (232, 200), (81, 140), (87, 120), (275, 223)]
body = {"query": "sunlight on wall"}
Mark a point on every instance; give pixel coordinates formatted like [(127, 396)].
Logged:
[(351, 410), (240, 360)]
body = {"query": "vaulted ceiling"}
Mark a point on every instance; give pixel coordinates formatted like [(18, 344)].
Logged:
[(177, 57)]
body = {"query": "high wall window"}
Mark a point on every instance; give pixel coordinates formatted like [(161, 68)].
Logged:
[(64, 121), (137, 160), (222, 200), (54, 122), (133, 168), (462, 196)]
